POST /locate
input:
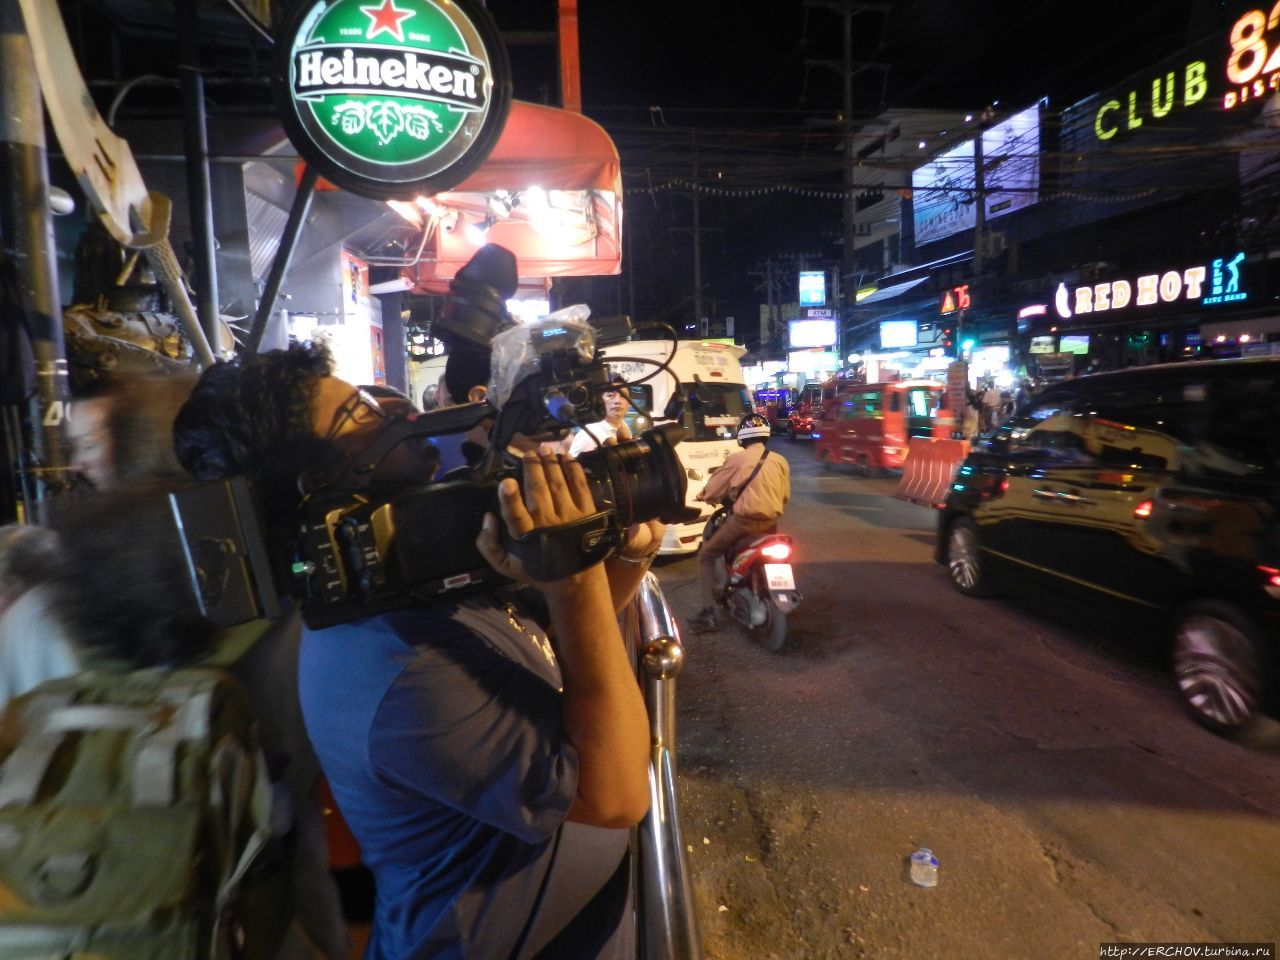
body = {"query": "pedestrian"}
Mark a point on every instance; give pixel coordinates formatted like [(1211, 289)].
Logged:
[(595, 434), (489, 786)]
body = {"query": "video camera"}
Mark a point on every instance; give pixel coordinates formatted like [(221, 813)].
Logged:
[(359, 548)]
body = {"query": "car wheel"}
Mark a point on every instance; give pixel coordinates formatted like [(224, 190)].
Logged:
[(1217, 664), (825, 460), (965, 563)]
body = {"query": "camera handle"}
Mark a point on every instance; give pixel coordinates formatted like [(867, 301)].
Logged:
[(552, 553)]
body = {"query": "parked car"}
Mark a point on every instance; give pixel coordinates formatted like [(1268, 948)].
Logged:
[(1155, 487)]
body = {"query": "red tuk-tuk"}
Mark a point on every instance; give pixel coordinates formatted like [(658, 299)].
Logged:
[(868, 424), (805, 412), (774, 404)]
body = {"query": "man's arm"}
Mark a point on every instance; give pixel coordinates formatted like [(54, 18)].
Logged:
[(603, 712), (720, 482)]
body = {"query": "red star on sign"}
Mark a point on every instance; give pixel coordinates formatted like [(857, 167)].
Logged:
[(386, 18)]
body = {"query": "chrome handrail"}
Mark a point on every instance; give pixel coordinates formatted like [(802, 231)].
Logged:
[(668, 924)]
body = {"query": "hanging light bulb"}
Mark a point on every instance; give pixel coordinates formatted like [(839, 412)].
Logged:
[(478, 233)]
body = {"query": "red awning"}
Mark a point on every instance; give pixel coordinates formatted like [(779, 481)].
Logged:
[(551, 192)]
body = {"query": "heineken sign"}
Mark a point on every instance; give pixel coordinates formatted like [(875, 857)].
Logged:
[(393, 98)]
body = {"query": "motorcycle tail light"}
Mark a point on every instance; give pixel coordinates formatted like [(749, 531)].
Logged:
[(777, 551), (1143, 510), (1272, 575)]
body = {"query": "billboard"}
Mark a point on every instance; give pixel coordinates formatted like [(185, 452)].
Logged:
[(813, 288), (1011, 162), (812, 333), (897, 333), (942, 194)]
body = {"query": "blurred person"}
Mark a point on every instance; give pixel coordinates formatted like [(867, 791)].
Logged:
[(595, 434), (755, 488), (34, 643), (124, 592), (123, 611), (489, 769), (123, 433)]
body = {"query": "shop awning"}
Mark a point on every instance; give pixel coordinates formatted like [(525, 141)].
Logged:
[(551, 192), (888, 293)]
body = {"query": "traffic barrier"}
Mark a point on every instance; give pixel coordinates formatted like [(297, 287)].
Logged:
[(929, 468)]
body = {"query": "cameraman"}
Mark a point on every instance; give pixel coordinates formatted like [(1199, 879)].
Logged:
[(488, 774)]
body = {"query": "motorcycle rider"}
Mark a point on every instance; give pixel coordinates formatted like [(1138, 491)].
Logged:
[(755, 488)]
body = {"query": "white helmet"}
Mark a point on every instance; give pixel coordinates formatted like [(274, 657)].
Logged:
[(753, 427)]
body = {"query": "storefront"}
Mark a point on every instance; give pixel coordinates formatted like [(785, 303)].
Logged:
[(1218, 305)]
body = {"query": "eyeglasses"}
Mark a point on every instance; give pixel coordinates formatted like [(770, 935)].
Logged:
[(361, 409)]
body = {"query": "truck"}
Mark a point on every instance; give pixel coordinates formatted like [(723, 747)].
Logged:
[(698, 384)]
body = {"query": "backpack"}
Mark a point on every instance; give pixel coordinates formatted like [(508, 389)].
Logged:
[(133, 808)]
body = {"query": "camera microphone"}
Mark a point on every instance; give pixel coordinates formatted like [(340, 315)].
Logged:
[(478, 295)]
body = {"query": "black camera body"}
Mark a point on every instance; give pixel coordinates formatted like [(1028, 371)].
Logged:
[(364, 553)]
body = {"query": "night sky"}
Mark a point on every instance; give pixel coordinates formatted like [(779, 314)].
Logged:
[(723, 88)]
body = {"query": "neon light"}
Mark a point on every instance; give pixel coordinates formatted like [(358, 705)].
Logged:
[(1138, 106), (1035, 310)]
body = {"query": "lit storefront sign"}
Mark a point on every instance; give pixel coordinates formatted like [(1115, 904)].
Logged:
[(1135, 106), (395, 98), (1253, 65), (1217, 283), (957, 298), (1224, 281), (813, 288)]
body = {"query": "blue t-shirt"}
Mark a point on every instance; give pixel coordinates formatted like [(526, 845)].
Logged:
[(439, 729)]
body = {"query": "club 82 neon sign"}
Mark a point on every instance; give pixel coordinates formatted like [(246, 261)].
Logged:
[(1253, 64)]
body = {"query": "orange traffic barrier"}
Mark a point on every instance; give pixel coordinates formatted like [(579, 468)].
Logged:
[(929, 468)]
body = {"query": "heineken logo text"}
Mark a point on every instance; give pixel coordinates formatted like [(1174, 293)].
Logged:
[(447, 78)]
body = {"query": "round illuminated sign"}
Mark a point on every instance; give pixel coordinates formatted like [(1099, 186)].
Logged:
[(392, 98)]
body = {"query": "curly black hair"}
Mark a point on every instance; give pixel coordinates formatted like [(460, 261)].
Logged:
[(253, 417)]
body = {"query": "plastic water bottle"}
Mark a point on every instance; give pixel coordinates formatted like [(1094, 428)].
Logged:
[(924, 868)]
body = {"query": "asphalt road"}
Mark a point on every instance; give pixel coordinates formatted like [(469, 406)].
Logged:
[(1046, 763)]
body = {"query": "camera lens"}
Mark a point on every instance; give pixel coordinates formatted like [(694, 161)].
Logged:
[(641, 479)]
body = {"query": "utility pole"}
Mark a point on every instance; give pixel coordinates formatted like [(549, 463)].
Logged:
[(697, 242), (979, 215), (848, 68)]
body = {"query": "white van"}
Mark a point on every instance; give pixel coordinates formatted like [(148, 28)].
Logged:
[(703, 369)]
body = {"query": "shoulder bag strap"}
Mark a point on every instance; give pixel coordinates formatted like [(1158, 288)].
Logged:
[(759, 464)]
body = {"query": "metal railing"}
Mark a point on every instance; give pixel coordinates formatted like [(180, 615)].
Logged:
[(666, 919)]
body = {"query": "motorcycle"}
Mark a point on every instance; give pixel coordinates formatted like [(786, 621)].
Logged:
[(758, 586)]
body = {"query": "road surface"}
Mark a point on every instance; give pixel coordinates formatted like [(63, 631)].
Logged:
[(1047, 764)]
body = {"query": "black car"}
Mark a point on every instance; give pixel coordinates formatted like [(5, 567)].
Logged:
[(1156, 487)]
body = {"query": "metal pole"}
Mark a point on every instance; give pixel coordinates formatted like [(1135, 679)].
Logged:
[(284, 254), (195, 139), (850, 207), (26, 230), (697, 245), (669, 922)]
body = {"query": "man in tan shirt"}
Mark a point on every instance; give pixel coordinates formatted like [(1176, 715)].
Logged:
[(756, 499)]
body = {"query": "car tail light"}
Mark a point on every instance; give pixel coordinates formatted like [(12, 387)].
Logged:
[(777, 551), (1144, 510), (1272, 575)]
